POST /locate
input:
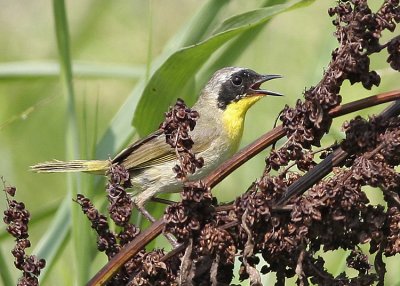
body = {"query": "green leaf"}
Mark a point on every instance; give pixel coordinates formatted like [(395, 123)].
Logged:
[(258, 16), (201, 23), (171, 78), (120, 130)]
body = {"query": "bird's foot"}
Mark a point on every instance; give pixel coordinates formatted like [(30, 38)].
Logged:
[(149, 217)]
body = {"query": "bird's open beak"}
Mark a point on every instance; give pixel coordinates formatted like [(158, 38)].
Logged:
[(255, 87)]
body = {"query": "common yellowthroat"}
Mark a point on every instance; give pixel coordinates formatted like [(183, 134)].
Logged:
[(222, 107)]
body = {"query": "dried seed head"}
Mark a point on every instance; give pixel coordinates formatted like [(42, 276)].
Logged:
[(178, 123)]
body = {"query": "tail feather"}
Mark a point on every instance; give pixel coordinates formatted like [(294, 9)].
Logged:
[(91, 166)]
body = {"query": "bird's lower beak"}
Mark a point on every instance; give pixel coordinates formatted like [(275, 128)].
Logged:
[(255, 87)]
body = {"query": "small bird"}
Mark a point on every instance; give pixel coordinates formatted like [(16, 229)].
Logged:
[(222, 107)]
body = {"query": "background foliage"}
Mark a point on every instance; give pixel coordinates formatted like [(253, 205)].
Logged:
[(115, 49)]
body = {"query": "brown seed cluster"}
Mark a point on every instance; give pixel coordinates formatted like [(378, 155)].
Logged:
[(121, 205), (151, 270), (17, 217), (394, 54), (146, 268), (120, 210), (214, 241), (185, 219), (335, 213), (393, 222), (359, 261), (358, 31), (264, 231), (106, 240), (178, 123), (212, 250)]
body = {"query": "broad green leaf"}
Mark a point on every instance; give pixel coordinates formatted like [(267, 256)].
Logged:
[(231, 52), (202, 22), (258, 16), (171, 78), (120, 130)]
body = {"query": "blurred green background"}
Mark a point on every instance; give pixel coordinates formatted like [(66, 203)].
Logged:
[(115, 48)]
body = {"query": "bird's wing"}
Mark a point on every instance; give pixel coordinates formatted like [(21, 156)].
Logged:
[(149, 151), (121, 156)]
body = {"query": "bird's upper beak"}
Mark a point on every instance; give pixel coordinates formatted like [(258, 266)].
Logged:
[(255, 87)]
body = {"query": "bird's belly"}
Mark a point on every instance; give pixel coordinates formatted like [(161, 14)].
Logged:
[(162, 179), (159, 178)]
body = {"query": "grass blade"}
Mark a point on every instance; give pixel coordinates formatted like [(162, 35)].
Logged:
[(55, 238), (50, 69), (80, 231), (5, 274)]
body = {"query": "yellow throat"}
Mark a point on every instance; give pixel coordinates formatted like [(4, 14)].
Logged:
[(233, 118)]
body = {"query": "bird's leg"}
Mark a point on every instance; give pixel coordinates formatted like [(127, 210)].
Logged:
[(145, 213), (162, 201), (140, 206)]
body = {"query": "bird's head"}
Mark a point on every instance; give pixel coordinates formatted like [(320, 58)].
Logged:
[(236, 89)]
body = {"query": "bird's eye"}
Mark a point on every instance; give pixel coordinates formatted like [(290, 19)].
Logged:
[(237, 80)]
